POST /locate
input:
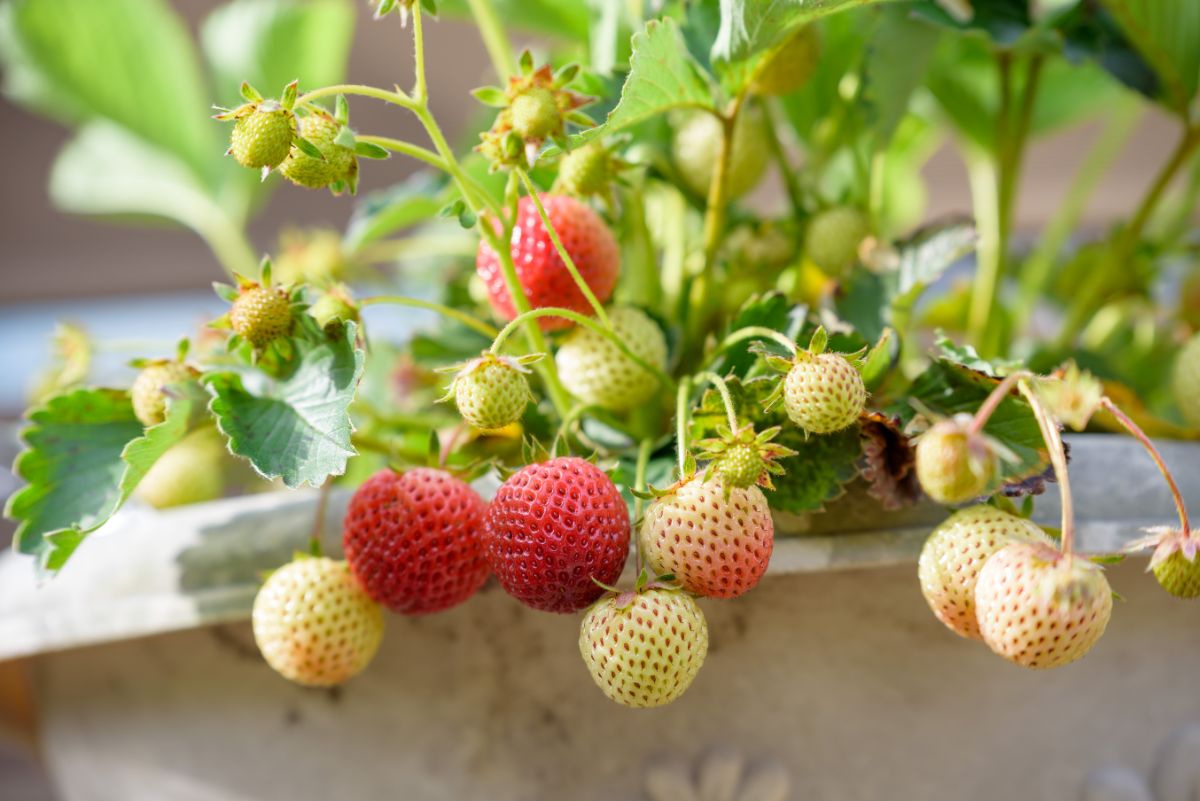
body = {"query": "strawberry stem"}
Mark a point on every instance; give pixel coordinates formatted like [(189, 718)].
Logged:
[(754, 332), (586, 322), (567, 261), (454, 314), (681, 423), (314, 538), (726, 398), (495, 39), (993, 401), (1135, 430), (639, 484), (1058, 458)]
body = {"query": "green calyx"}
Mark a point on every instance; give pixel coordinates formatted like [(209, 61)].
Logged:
[(492, 391), (743, 458)]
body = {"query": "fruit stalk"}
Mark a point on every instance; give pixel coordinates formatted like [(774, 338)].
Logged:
[(587, 322), (682, 397), (454, 314), (755, 332), (396, 97), (639, 485), (1058, 458), (1135, 430), (495, 40), (726, 398), (993, 401), (567, 261)]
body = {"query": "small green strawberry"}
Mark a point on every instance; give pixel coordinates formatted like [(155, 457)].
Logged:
[(696, 145), (335, 306), (743, 458), (955, 464), (535, 113), (193, 470), (833, 239), (491, 391), (338, 163), (1185, 381), (822, 392), (790, 65), (1175, 564), (1040, 608), (314, 624), (261, 314), (644, 648), (536, 105), (149, 399), (586, 171), (263, 130), (594, 370)]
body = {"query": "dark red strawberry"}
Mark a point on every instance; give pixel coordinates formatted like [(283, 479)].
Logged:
[(542, 274), (551, 529), (414, 540)]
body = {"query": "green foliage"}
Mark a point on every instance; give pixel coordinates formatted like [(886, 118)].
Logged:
[(295, 424), (85, 453)]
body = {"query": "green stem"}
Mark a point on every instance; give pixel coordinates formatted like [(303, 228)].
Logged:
[(395, 97), (495, 39), (407, 149), (1058, 458), (718, 190), (754, 332), (682, 396), (420, 92), (1037, 270), (981, 170), (228, 243), (1179, 157), (586, 322), (567, 261), (994, 399), (726, 398), (639, 479), (1134, 429), (446, 311)]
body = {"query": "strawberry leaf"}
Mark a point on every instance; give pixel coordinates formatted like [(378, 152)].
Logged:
[(662, 76), (294, 424), (85, 454)]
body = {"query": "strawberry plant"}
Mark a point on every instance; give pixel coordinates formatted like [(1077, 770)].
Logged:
[(681, 288)]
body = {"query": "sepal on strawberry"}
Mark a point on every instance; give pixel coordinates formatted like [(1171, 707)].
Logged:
[(535, 107), (743, 458)]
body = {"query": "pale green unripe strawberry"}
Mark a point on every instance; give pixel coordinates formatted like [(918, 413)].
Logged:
[(1176, 560), (1039, 608), (696, 149), (584, 171), (535, 113), (263, 136), (340, 163), (789, 66), (953, 464), (954, 554), (823, 393), (314, 624), (833, 239), (491, 392), (261, 314), (594, 370), (149, 400), (191, 471), (1185, 381), (644, 648)]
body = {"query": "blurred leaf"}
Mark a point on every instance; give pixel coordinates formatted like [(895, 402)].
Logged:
[(295, 426), (897, 57), (772, 310), (662, 76), (752, 26), (85, 453), (967, 356), (843, 40), (928, 253), (1167, 33), (273, 42), (416, 200), (567, 20), (128, 61)]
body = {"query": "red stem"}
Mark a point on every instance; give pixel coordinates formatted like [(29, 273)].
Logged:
[(1141, 437)]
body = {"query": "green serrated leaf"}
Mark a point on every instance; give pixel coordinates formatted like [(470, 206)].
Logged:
[(85, 453), (295, 425), (966, 356), (662, 76), (749, 27), (1166, 33)]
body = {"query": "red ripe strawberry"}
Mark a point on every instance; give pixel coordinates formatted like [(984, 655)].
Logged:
[(413, 540), (716, 543), (552, 528), (541, 272)]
